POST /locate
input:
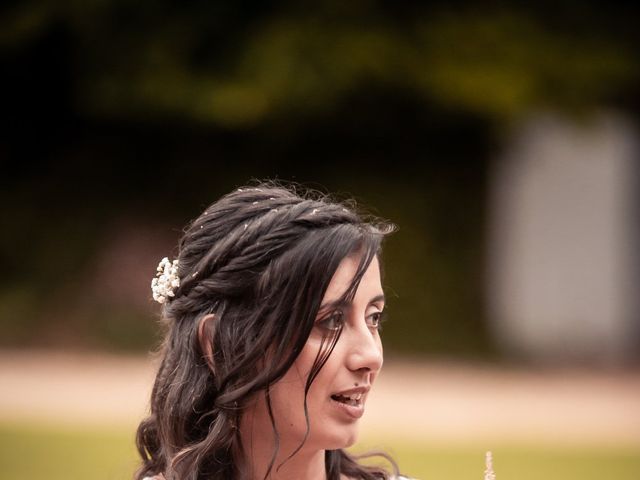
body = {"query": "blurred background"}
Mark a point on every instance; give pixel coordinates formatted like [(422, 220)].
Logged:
[(502, 139)]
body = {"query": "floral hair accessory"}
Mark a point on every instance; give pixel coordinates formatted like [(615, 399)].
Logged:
[(166, 281)]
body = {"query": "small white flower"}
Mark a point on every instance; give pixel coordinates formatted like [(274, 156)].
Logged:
[(166, 281), (488, 473)]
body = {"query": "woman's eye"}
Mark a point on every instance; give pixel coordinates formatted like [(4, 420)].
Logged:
[(375, 320), (332, 322)]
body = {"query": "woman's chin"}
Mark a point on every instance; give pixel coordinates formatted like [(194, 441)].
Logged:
[(342, 439), (351, 441)]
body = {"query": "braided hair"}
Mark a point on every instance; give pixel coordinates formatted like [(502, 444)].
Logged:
[(257, 262)]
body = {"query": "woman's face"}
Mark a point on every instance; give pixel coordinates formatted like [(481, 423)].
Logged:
[(337, 397)]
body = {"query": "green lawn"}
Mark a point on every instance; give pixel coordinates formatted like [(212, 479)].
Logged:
[(28, 452), (517, 462)]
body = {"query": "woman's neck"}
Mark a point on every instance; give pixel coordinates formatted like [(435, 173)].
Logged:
[(258, 445), (304, 465)]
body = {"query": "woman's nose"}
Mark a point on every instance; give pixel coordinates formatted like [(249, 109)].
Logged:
[(365, 350)]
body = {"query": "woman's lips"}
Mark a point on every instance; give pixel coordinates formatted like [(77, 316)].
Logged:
[(351, 401), (354, 411)]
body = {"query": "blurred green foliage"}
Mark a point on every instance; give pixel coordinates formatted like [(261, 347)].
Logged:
[(241, 63), (148, 111)]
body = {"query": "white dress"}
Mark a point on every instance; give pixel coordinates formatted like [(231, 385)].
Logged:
[(160, 477)]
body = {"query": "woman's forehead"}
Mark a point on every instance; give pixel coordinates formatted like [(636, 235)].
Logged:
[(370, 284)]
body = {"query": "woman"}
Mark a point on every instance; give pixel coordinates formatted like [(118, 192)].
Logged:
[(273, 310)]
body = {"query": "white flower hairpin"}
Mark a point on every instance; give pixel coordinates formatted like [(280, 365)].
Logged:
[(166, 281)]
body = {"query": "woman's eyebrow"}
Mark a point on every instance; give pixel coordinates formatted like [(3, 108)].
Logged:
[(340, 303), (377, 298), (335, 304)]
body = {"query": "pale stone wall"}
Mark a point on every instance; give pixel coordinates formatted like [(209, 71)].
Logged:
[(562, 241)]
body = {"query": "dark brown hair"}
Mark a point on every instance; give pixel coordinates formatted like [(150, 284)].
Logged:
[(259, 260)]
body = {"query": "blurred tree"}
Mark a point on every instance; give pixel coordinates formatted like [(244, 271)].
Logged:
[(238, 64), (135, 113)]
